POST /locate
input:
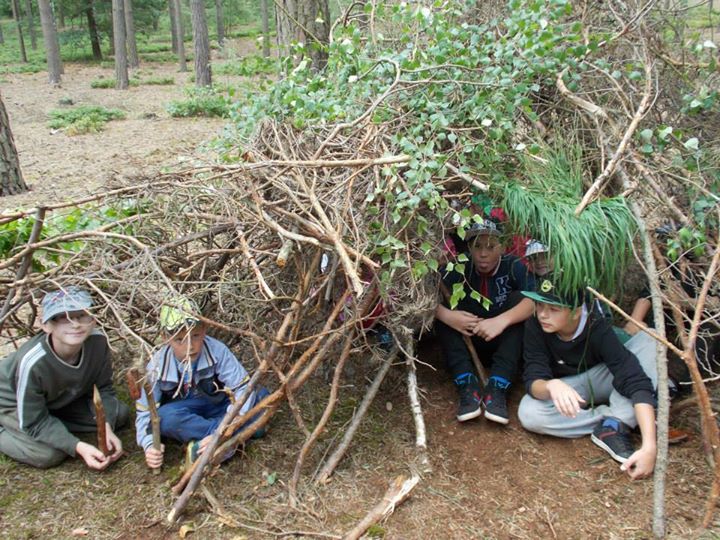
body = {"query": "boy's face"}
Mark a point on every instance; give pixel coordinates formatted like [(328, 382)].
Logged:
[(186, 344), (557, 319), (486, 250), (70, 329), (539, 263)]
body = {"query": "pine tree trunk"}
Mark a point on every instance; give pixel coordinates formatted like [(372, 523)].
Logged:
[(21, 41), (182, 61), (133, 60), (304, 21), (31, 24), (61, 14), (11, 180), (92, 28), (220, 23), (265, 27), (2, 37), (121, 67), (203, 74), (52, 45), (173, 25)]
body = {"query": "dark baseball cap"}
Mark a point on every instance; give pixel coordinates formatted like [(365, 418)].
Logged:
[(548, 292)]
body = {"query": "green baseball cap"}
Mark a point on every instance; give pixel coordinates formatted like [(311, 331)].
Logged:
[(178, 311), (547, 292)]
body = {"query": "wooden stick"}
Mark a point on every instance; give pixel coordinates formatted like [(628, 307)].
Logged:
[(482, 375), (337, 455), (100, 419), (396, 494), (133, 380), (415, 407), (320, 426)]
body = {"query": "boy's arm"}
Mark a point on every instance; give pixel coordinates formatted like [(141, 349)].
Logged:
[(489, 329), (234, 376), (640, 310), (461, 321), (642, 462), (143, 430), (35, 419)]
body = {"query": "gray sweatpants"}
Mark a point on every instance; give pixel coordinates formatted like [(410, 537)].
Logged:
[(595, 387), (78, 417)]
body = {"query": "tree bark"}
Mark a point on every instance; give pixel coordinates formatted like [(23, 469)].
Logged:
[(121, 66), (93, 30), (203, 74), (220, 23), (61, 14), (21, 41), (307, 22), (173, 25), (31, 24), (180, 37), (265, 27), (11, 179), (52, 45), (2, 37), (133, 60)]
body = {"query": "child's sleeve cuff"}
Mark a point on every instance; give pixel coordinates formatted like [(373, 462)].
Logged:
[(644, 396)]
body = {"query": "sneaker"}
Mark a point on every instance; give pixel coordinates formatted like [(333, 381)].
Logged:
[(470, 403), (495, 401), (191, 453), (614, 437)]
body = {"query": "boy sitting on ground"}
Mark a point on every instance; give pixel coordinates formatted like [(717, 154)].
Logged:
[(46, 388), (495, 327), (538, 258), (189, 377), (582, 381)]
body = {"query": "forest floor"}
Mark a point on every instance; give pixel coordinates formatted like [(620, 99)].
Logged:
[(483, 480)]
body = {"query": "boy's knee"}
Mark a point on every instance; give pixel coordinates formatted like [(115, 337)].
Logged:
[(122, 416), (529, 414), (48, 457)]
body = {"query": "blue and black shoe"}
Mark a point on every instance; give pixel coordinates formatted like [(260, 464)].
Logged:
[(495, 400), (470, 405)]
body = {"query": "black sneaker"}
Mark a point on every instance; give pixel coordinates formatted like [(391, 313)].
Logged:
[(495, 403), (614, 437), (470, 403)]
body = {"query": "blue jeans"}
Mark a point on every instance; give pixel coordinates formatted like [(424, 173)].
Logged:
[(196, 417)]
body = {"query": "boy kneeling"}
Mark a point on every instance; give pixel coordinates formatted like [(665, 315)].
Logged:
[(46, 388), (574, 359), (189, 377)]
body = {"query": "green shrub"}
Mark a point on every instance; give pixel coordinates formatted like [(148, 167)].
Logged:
[(159, 81), (248, 66), (110, 83), (23, 68), (202, 102), (84, 119)]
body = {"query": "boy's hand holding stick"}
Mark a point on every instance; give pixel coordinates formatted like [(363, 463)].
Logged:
[(133, 378)]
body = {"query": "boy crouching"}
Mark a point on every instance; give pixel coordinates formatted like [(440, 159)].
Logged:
[(582, 381), (189, 377), (46, 388)]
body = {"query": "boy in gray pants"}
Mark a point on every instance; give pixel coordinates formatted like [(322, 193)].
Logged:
[(46, 388), (582, 381)]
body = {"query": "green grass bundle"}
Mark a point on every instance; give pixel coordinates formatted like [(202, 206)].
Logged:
[(84, 119), (248, 66), (589, 249), (159, 81), (110, 83), (201, 102)]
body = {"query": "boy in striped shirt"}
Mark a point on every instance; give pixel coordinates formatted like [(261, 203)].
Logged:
[(190, 377)]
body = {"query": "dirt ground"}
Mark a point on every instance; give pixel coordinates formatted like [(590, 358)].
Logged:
[(484, 480)]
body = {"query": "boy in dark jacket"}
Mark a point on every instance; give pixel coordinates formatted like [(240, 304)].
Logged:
[(46, 388), (495, 323), (582, 381)]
